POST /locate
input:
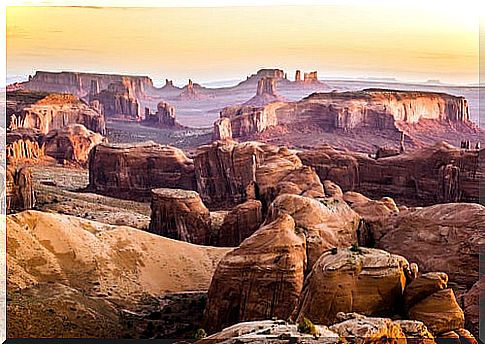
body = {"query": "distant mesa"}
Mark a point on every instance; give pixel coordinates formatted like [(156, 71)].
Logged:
[(265, 93)]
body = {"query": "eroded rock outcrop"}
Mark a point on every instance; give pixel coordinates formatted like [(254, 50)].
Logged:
[(193, 91), (327, 223), (72, 143), (439, 173), (118, 100), (181, 215), (19, 189), (47, 111), (227, 172), (472, 303), (362, 280), (244, 120), (424, 234), (164, 117), (260, 279), (132, 170)]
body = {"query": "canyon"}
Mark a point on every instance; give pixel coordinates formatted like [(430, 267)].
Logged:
[(303, 210)]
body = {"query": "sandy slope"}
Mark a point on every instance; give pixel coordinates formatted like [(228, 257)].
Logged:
[(101, 259)]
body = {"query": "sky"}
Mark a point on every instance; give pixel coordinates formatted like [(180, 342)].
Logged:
[(223, 40)]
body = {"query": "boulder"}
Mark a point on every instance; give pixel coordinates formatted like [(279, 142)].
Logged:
[(181, 215), (132, 170), (443, 237), (439, 312), (362, 280), (260, 279), (424, 286), (240, 223), (327, 223)]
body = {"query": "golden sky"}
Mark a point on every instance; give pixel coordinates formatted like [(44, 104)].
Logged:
[(220, 43)]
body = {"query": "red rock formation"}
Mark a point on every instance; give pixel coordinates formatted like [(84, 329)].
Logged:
[(260, 279), (420, 115), (298, 75), (72, 143), (244, 120), (423, 234), (131, 171), (181, 215), (439, 173), (226, 172), (240, 223), (327, 223), (45, 112), (366, 281), (19, 189), (164, 117), (265, 93), (118, 100)]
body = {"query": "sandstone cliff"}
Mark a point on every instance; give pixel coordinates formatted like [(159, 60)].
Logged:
[(434, 174), (118, 100), (47, 111), (131, 171)]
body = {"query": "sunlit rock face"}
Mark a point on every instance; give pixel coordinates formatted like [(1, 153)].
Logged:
[(47, 111)]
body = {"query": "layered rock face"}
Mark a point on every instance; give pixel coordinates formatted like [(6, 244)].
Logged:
[(164, 117), (423, 234), (369, 109), (222, 130), (366, 281), (260, 279), (82, 84), (19, 189), (379, 109), (245, 120), (439, 173), (181, 215), (45, 112), (23, 144), (326, 222), (131, 171), (118, 100), (265, 93), (228, 173), (72, 143)]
